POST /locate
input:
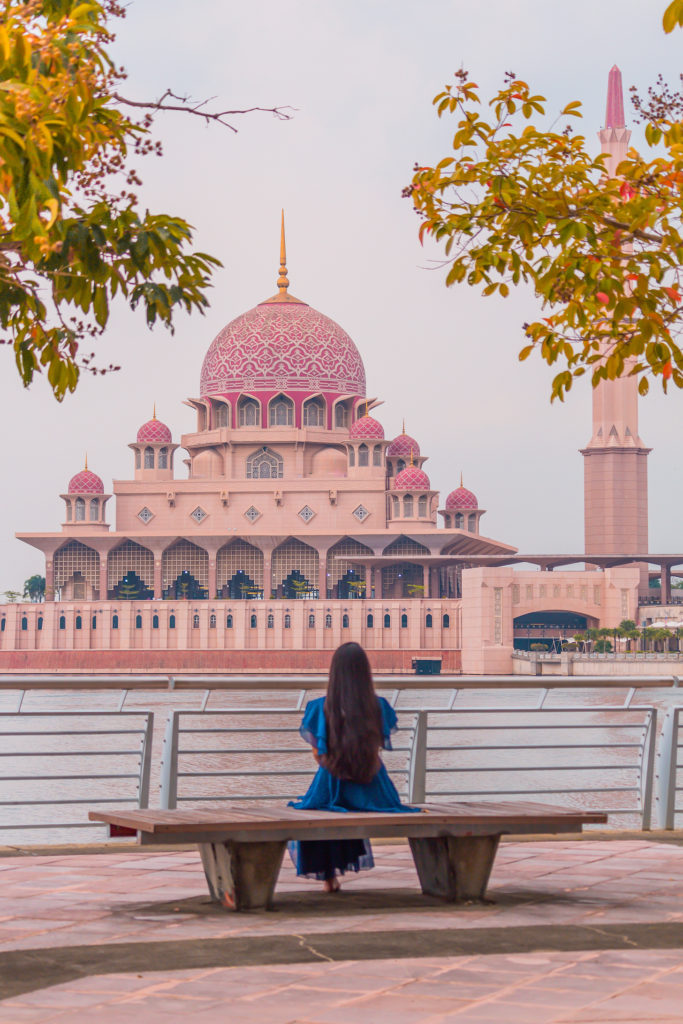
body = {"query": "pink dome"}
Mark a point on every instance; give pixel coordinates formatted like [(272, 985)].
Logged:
[(461, 498), (412, 479), (402, 446), (283, 346), (85, 482), (154, 431), (367, 427)]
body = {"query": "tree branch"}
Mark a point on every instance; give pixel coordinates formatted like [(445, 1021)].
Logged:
[(184, 105)]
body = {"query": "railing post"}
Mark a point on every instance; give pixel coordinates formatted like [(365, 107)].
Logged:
[(647, 769), (417, 772), (146, 761), (667, 756), (169, 764)]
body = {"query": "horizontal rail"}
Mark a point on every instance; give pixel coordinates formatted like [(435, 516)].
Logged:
[(543, 746), (549, 768)]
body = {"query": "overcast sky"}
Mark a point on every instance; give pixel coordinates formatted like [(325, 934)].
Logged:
[(361, 75)]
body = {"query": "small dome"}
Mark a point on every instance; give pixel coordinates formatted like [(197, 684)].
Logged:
[(85, 482), (403, 446), (155, 431), (461, 498), (367, 427), (412, 479)]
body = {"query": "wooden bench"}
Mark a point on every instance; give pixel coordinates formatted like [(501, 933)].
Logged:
[(453, 845)]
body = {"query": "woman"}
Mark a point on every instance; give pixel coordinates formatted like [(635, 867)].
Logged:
[(347, 729)]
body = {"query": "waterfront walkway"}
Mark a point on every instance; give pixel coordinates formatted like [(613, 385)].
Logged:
[(582, 930)]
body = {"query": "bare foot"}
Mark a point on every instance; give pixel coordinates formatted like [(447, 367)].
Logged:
[(331, 885)]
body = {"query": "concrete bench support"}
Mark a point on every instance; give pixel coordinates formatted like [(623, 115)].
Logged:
[(242, 876), (454, 867)]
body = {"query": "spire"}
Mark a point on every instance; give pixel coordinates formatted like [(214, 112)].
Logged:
[(154, 411), (283, 280), (461, 483), (614, 117), (86, 462), (403, 428)]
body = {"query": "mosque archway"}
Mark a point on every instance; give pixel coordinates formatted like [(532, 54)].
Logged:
[(130, 572), (185, 571), (239, 571), (405, 578), (77, 572), (346, 576), (549, 628), (295, 570)]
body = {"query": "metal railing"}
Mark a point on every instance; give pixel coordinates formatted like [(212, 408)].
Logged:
[(66, 762), (499, 754), (203, 747), (669, 771)]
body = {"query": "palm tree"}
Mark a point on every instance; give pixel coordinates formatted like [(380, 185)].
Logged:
[(34, 588)]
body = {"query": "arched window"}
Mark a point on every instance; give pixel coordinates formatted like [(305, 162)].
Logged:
[(271, 621), (252, 622), (80, 510), (265, 464), (377, 455), (68, 511), (195, 622), (149, 458), (311, 621), (221, 415), (446, 621), (422, 505), (314, 413), (249, 412), (387, 621), (94, 622), (155, 622), (94, 510), (212, 621), (2, 625), (341, 416), (138, 460), (138, 621), (39, 624), (407, 505), (281, 412), (163, 458), (24, 622), (363, 455), (396, 504), (228, 622), (288, 621), (428, 620), (472, 522), (400, 465), (404, 621), (171, 622), (114, 622), (370, 621), (352, 456), (79, 622), (345, 622), (459, 520), (328, 621)]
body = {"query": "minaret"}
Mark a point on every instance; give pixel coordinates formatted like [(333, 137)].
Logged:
[(615, 459)]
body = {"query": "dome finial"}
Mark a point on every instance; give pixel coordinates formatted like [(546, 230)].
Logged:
[(154, 411), (86, 461), (461, 483), (283, 280), (403, 428)]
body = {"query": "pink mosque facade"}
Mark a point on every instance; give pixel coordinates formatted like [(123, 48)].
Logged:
[(295, 524)]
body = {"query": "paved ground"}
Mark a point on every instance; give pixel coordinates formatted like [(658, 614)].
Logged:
[(576, 932)]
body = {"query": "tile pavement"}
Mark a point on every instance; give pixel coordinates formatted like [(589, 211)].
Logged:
[(54, 906)]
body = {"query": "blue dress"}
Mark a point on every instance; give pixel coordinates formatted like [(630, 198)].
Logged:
[(326, 858)]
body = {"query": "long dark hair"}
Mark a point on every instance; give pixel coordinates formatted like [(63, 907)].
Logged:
[(354, 720)]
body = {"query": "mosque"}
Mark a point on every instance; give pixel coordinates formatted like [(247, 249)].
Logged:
[(298, 525)]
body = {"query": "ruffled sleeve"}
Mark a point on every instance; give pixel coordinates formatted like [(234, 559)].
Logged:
[(313, 726), (389, 722)]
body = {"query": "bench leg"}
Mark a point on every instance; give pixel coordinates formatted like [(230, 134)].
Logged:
[(454, 867), (242, 876)]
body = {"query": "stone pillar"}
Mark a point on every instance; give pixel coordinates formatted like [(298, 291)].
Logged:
[(49, 579), (427, 580), (267, 577), (322, 573), (104, 575), (665, 591), (158, 584), (212, 578)]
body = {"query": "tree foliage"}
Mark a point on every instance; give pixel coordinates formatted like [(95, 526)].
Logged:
[(34, 588), (516, 203), (73, 234)]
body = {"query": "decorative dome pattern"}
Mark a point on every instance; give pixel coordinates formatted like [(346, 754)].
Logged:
[(367, 427), (154, 431), (85, 482), (412, 479), (461, 498), (402, 446), (281, 346)]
